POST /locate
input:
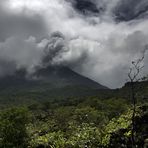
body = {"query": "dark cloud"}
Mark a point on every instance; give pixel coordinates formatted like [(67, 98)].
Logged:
[(86, 6), (127, 10), (122, 10)]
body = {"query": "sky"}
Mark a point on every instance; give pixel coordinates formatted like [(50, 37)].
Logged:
[(96, 38)]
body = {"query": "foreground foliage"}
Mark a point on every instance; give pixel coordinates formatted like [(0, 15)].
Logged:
[(13, 133), (85, 123)]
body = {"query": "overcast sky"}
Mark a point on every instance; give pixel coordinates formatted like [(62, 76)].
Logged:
[(97, 38)]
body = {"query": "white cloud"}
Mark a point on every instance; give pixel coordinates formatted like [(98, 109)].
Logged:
[(97, 47), (22, 53)]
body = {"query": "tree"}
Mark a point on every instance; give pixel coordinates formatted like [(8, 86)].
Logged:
[(13, 132), (134, 76)]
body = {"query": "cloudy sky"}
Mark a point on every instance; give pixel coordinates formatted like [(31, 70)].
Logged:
[(96, 38)]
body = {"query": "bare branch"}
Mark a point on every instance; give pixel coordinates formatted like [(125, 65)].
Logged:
[(133, 75)]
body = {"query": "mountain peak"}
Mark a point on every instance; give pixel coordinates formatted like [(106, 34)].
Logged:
[(50, 77), (66, 77)]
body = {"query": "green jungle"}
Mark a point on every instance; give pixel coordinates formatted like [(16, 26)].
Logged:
[(84, 118)]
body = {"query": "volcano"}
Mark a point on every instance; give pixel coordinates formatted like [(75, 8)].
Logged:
[(63, 76), (51, 81), (54, 76)]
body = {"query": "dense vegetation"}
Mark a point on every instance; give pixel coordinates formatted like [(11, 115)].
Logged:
[(101, 121)]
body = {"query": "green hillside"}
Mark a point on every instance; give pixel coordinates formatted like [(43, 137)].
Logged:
[(94, 122), (34, 114)]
